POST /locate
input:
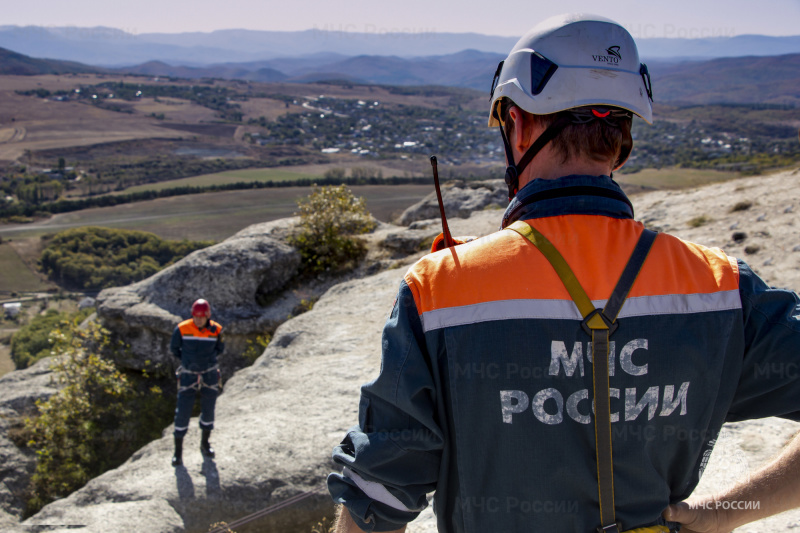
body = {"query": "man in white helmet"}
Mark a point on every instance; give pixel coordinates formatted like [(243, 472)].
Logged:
[(490, 393)]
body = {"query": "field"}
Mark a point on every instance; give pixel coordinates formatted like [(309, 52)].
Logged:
[(38, 124), (673, 178), (6, 364), (213, 215), (268, 174), (15, 276)]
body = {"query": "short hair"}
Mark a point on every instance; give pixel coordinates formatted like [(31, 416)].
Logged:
[(599, 140)]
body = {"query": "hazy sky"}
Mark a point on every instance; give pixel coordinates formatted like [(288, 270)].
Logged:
[(643, 18)]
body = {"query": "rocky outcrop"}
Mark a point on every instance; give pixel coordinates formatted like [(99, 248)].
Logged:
[(460, 199), (277, 422), (244, 277), (19, 392)]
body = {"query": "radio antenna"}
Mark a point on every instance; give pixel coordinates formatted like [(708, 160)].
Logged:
[(448, 239)]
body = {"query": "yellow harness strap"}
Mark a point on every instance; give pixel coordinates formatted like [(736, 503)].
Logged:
[(585, 305)]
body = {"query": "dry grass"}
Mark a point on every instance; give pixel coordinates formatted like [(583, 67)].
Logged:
[(267, 107), (50, 124), (16, 275), (6, 364), (674, 178), (698, 221), (175, 109)]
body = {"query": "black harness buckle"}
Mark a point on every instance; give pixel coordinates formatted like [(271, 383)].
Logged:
[(612, 326)]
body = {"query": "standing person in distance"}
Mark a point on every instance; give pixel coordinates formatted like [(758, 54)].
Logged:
[(516, 366), (197, 343)]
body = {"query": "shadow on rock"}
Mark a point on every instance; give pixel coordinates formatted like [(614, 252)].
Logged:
[(210, 472), (184, 483)]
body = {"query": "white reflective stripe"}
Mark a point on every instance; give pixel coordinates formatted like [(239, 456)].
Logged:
[(677, 304), (193, 338), (376, 491), (204, 423), (499, 310), (681, 304), (181, 429)]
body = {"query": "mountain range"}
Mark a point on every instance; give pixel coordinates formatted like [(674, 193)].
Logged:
[(752, 79), (111, 47)]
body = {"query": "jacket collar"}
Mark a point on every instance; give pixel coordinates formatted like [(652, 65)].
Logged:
[(569, 195)]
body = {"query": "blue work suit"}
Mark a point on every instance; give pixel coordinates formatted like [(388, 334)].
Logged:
[(198, 350)]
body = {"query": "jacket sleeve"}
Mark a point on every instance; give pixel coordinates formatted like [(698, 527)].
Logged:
[(391, 458), (769, 384), (219, 347), (176, 342)]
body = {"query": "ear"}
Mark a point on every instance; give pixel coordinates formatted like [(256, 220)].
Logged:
[(519, 133), (526, 129)]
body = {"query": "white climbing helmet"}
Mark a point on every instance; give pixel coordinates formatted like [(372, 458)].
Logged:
[(572, 61)]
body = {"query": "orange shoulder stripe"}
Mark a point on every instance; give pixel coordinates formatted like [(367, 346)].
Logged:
[(188, 329), (505, 266)]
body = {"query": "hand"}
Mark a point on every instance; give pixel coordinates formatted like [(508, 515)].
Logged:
[(697, 516)]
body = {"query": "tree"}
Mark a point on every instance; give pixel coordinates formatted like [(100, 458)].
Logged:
[(98, 418), (96, 258)]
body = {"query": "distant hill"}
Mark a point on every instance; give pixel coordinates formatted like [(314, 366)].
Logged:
[(468, 68), (22, 65), (230, 71), (762, 80), (112, 47)]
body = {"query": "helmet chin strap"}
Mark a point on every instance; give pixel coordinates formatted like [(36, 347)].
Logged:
[(513, 170)]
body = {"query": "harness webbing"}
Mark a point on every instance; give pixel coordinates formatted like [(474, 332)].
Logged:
[(600, 324), (200, 382)]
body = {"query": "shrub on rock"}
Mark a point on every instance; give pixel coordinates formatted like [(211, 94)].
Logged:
[(330, 218)]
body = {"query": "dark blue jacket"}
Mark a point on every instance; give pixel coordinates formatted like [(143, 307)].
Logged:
[(484, 392), (196, 348)]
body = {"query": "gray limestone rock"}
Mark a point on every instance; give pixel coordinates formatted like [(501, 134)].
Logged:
[(244, 278), (460, 200), (19, 392), (410, 241)]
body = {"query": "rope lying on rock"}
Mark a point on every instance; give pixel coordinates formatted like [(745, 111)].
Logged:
[(267, 511)]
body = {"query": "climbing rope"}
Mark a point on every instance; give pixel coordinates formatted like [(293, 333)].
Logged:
[(267, 511)]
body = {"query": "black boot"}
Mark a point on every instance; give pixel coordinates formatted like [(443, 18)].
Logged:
[(177, 459), (205, 446)]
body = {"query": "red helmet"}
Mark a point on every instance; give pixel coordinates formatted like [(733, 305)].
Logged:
[(201, 308)]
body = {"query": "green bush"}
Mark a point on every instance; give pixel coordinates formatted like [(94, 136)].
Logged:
[(32, 341), (96, 258), (330, 217), (255, 347), (98, 418)]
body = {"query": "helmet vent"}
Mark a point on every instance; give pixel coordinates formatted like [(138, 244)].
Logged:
[(542, 69)]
